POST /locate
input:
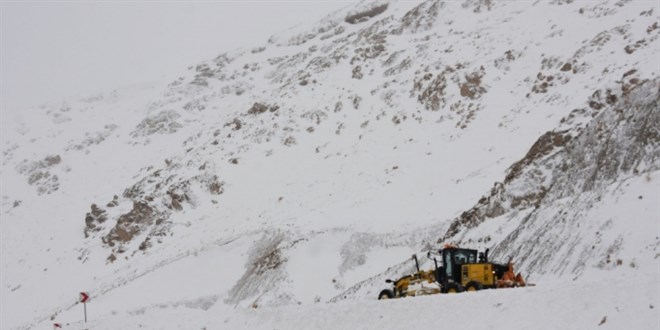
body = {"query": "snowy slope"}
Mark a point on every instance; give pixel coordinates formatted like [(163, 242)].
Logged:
[(309, 168)]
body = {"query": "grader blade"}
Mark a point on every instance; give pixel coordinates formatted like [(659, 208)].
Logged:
[(510, 279)]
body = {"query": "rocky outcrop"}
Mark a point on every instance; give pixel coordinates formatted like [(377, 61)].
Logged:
[(131, 224), (93, 219), (164, 122), (40, 174), (366, 14), (263, 270), (574, 166)]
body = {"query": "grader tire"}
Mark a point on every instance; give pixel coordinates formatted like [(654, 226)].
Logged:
[(473, 286), (386, 294), (453, 288)]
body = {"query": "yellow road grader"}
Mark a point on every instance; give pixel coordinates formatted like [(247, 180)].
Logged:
[(457, 270)]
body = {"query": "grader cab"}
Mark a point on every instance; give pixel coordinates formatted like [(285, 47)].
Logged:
[(456, 270)]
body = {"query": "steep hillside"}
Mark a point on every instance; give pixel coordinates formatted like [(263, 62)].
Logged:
[(564, 183), (309, 168)]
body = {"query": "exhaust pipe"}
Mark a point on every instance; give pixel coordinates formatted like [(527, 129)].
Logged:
[(414, 256)]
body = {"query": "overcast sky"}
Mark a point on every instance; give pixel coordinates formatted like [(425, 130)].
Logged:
[(51, 51)]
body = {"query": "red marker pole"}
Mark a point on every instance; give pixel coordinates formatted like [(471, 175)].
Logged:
[(84, 296)]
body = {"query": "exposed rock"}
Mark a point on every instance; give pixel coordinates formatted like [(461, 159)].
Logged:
[(93, 219), (543, 146), (432, 90), (131, 224), (114, 202), (365, 15), (421, 18), (623, 140), (164, 122), (216, 188), (178, 195), (263, 269), (357, 72), (235, 124), (478, 5), (39, 174), (259, 108), (94, 138), (472, 87), (289, 141)]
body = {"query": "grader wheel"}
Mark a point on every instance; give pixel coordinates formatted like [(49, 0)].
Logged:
[(386, 294), (453, 288), (473, 286)]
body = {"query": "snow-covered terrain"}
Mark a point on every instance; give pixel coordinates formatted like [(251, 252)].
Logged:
[(279, 186), (558, 305)]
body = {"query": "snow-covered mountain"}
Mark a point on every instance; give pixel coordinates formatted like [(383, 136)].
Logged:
[(306, 170)]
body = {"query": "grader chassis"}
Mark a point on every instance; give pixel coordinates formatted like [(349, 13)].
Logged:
[(457, 270)]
